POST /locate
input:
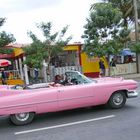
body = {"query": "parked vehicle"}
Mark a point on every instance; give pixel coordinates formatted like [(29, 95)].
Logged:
[(21, 103)]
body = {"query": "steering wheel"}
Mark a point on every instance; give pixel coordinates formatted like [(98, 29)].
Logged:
[(74, 81)]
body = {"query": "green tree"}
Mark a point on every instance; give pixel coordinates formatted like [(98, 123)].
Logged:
[(39, 50), (2, 20), (131, 13), (135, 46), (5, 39), (127, 9), (102, 31)]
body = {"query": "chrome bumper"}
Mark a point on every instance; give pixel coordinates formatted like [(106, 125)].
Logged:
[(132, 94)]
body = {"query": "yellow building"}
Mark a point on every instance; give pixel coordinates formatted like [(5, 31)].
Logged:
[(90, 66)]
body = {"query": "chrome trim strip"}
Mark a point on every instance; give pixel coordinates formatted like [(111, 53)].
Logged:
[(66, 99), (50, 101), (19, 105)]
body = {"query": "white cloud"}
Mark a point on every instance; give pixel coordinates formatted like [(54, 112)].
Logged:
[(60, 12), (14, 6)]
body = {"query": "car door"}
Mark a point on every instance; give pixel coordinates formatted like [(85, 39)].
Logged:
[(76, 96), (46, 100)]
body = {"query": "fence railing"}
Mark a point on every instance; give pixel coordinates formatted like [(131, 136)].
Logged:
[(53, 71), (62, 70), (12, 74)]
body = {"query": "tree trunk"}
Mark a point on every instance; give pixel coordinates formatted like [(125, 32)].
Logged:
[(44, 71), (136, 32), (108, 65)]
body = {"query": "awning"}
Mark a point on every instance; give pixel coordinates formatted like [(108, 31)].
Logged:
[(3, 56), (4, 62), (126, 52)]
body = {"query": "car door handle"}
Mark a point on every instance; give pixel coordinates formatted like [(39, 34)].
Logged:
[(60, 90)]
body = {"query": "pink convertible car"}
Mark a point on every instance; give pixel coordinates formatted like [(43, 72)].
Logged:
[(22, 103)]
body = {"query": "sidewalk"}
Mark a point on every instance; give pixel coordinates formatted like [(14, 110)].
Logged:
[(131, 76)]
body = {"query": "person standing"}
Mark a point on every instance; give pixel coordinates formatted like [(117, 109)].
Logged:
[(102, 68), (3, 76), (112, 67), (36, 73)]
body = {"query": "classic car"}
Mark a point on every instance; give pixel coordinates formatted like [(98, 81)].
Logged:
[(22, 103)]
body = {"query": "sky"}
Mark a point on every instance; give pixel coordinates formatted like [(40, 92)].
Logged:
[(23, 15)]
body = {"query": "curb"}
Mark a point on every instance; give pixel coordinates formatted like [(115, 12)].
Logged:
[(131, 76)]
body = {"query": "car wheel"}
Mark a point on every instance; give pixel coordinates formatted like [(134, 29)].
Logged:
[(117, 100), (22, 118)]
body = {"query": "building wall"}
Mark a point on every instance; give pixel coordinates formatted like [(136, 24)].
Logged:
[(90, 66)]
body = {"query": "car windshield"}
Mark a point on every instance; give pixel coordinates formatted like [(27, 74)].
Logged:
[(78, 77)]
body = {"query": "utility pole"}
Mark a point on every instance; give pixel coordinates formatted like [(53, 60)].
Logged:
[(136, 20), (136, 31)]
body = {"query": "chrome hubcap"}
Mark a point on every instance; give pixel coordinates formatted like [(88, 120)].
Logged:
[(22, 116), (118, 99)]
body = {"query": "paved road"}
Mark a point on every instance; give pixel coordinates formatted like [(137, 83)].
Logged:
[(98, 123)]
